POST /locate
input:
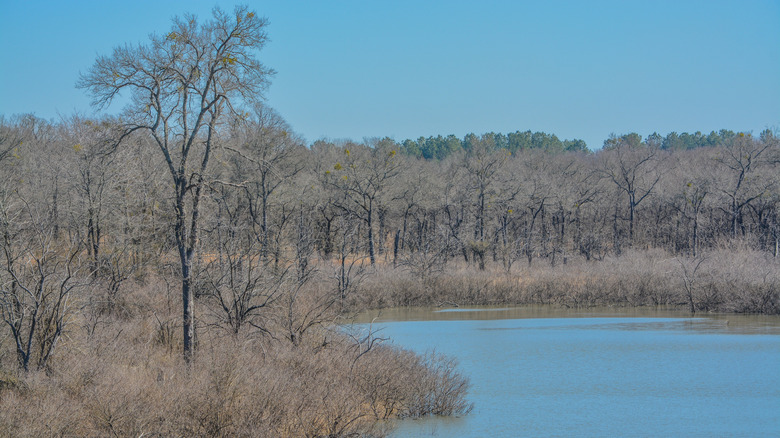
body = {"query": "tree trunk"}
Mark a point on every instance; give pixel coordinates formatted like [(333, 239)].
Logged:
[(187, 307), (395, 247), (264, 225), (381, 237), (370, 223), (631, 208), (695, 234)]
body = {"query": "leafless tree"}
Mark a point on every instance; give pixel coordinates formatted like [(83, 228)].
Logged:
[(13, 133), (690, 277), (268, 157), (38, 275), (635, 170), (742, 183), (350, 269), (692, 186), (88, 147), (183, 84), (482, 163), (361, 178)]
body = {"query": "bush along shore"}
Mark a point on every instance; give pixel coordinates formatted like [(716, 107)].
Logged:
[(118, 371)]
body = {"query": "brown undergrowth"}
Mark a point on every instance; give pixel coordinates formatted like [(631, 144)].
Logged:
[(120, 374)]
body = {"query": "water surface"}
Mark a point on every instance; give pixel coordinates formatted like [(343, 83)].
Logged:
[(537, 371)]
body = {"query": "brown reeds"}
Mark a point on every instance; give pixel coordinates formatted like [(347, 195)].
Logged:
[(728, 280)]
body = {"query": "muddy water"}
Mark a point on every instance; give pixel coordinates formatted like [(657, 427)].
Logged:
[(537, 371)]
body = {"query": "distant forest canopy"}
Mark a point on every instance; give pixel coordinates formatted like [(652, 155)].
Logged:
[(506, 196), (675, 141), (439, 147)]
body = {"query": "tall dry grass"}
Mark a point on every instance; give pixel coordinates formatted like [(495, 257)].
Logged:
[(729, 280)]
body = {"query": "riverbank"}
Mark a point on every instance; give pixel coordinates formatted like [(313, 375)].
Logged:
[(729, 281)]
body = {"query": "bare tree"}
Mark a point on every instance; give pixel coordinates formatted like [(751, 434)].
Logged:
[(88, 149), (635, 170), (350, 269), (37, 278), (182, 85), (455, 205), (575, 190), (690, 269), (13, 134), (692, 187), (536, 195), (272, 152), (362, 178), (482, 163), (741, 183)]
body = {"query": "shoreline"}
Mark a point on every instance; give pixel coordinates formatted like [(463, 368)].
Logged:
[(727, 282), (735, 322)]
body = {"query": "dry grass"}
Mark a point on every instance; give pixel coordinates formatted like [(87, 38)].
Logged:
[(124, 378), (729, 281)]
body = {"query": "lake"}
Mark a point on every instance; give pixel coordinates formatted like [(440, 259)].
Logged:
[(537, 371)]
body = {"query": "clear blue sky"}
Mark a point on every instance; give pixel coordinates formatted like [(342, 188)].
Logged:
[(404, 69)]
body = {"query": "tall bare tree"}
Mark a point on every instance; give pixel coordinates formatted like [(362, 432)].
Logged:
[(742, 183), (482, 163), (635, 169), (182, 85), (37, 279), (267, 156), (364, 176)]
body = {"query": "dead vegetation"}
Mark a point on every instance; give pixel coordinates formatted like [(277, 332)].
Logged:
[(726, 280), (128, 379)]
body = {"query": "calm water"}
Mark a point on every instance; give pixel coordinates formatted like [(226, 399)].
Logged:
[(542, 372)]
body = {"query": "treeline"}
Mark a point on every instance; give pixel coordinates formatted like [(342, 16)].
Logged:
[(271, 197), (439, 147), (482, 204), (675, 141), (541, 202)]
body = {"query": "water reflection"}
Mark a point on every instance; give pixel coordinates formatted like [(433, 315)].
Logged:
[(662, 318)]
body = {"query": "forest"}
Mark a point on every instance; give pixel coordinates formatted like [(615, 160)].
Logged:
[(183, 268)]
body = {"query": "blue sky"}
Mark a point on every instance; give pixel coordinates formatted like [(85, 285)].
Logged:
[(405, 69)]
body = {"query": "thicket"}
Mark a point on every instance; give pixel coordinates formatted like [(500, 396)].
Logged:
[(119, 372)]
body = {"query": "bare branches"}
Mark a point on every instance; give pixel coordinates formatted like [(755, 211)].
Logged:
[(689, 270), (182, 84), (36, 281)]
